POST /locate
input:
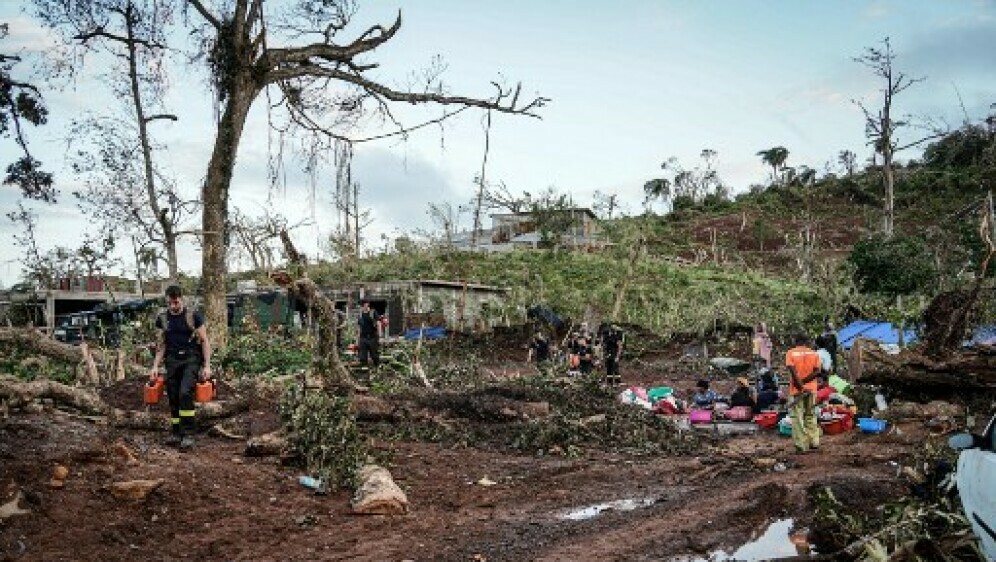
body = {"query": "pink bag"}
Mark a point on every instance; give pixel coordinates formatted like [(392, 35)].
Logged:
[(700, 416), (740, 413)]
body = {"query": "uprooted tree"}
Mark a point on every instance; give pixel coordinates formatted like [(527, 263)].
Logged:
[(318, 84)]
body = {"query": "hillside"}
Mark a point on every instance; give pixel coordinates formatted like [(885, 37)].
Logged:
[(776, 254)]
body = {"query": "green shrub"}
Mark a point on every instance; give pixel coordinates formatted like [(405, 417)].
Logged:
[(322, 429), (899, 265)]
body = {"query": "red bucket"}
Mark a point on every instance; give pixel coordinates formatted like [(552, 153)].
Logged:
[(766, 420), (834, 427)]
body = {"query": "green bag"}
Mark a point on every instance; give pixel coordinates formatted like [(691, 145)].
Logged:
[(659, 392)]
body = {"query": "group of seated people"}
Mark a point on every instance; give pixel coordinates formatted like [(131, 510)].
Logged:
[(760, 397), (764, 395)]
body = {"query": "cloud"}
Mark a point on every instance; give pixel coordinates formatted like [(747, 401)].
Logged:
[(26, 34), (876, 11), (959, 48), (399, 187)]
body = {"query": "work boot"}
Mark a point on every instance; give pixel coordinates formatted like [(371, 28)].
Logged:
[(173, 440), (187, 443)]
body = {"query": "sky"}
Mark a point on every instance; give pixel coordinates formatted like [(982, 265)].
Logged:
[(631, 83)]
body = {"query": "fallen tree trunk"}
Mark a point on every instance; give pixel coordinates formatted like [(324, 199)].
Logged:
[(35, 340), (17, 393), (92, 358), (378, 494), (139, 419), (454, 405), (270, 444), (326, 361), (966, 370)]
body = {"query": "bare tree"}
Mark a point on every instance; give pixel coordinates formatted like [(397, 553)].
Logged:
[(241, 38), (881, 126), (44, 268), (125, 189), (499, 196), (848, 160), (258, 237), (481, 183), (605, 204), (444, 216)]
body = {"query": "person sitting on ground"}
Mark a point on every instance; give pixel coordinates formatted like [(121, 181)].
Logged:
[(703, 397), (743, 395), (767, 389)]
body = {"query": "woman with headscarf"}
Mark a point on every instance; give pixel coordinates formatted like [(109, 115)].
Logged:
[(762, 345)]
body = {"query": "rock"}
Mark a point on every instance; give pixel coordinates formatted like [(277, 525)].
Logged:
[(779, 467), (765, 462), (56, 484), (60, 472), (10, 495), (486, 482), (378, 494), (135, 489)]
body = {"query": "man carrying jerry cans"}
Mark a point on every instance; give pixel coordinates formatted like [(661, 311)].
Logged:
[(183, 343)]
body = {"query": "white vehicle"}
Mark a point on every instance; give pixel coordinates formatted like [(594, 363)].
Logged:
[(976, 479)]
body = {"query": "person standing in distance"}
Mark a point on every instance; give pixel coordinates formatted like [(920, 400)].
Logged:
[(183, 343), (370, 332), (803, 365), (612, 347)]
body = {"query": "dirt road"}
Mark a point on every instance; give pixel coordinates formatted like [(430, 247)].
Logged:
[(216, 504)]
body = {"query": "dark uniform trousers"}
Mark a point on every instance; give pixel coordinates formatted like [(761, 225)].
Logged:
[(182, 371)]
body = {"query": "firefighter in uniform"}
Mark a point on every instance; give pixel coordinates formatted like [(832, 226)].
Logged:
[(184, 345)]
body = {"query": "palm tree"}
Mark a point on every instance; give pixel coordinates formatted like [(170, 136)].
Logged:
[(775, 157)]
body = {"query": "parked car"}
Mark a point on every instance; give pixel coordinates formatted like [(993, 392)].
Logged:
[(976, 479), (74, 328)]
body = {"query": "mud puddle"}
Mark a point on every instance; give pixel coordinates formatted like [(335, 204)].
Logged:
[(592, 511), (775, 542)]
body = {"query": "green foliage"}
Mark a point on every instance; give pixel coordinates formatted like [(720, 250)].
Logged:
[(322, 429), (931, 517), (27, 367), (582, 416), (899, 265), (20, 104), (663, 297), (253, 354)]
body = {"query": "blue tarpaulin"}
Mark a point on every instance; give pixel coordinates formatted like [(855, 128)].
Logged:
[(434, 333), (983, 335), (882, 332)]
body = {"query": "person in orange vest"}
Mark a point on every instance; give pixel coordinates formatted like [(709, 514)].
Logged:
[(803, 364)]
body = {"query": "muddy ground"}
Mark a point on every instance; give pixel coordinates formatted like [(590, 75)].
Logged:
[(217, 504)]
